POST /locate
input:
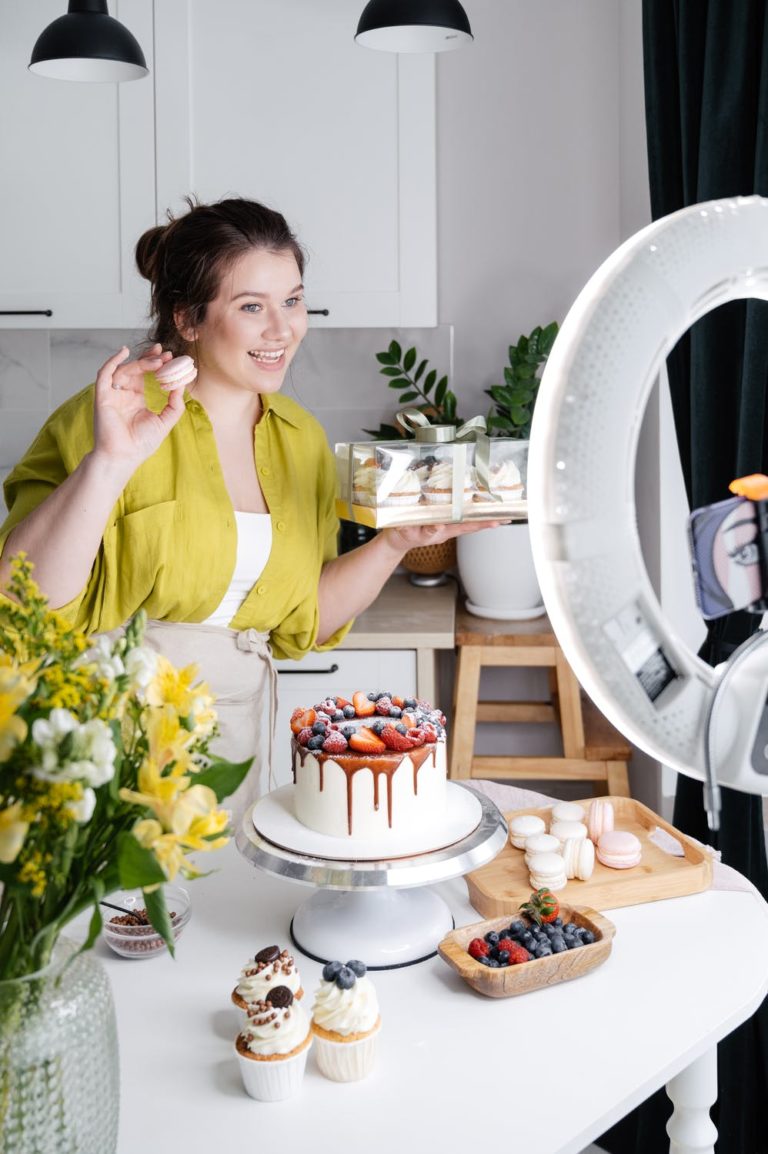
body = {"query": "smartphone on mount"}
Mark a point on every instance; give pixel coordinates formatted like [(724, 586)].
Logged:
[(725, 548)]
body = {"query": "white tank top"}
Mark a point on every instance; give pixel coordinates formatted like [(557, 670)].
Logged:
[(254, 542)]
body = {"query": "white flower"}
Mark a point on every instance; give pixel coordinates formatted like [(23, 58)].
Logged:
[(90, 754), (82, 810), (140, 665), (103, 654)]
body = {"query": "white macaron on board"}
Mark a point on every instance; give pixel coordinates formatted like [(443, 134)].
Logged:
[(664, 862)]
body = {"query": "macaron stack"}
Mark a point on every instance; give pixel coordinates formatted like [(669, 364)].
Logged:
[(573, 843)]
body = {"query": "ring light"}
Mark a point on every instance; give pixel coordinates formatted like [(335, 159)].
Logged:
[(706, 723)]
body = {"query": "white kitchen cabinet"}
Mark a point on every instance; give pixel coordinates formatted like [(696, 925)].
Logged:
[(274, 101), (336, 674), (78, 182)]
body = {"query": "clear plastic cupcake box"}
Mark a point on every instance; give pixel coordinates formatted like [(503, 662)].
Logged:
[(415, 482)]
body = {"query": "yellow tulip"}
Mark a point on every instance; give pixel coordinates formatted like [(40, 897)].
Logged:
[(12, 833)]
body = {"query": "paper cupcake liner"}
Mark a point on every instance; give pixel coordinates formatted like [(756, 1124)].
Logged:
[(346, 1061), (276, 1078)]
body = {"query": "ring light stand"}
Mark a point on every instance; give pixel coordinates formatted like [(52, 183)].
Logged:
[(706, 723)]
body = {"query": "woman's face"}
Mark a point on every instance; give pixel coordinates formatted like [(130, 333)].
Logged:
[(735, 557), (254, 325)]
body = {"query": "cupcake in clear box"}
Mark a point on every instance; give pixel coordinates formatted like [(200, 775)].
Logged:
[(386, 481), (269, 968), (345, 1022), (437, 483), (273, 1045)]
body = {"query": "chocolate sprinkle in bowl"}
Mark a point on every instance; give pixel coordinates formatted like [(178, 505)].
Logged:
[(131, 934)]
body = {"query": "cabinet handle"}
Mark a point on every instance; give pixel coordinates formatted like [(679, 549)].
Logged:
[(318, 312), (26, 312), (298, 672)]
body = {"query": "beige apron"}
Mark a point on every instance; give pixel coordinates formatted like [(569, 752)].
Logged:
[(240, 673)]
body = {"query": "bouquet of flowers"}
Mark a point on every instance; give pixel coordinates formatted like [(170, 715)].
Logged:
[(106, 776)]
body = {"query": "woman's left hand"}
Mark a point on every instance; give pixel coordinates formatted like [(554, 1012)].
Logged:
[(411, 536)]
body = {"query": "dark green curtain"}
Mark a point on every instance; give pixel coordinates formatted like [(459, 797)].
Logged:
[(706, 100)]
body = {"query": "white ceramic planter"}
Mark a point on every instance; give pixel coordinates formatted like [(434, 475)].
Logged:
[(497, 572)]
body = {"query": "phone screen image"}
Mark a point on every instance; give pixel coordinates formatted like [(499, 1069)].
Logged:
[(726, 558)]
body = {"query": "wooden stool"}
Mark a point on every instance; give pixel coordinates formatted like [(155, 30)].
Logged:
[(592, 749)]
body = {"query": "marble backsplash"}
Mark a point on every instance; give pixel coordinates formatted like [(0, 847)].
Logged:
[(334, 375)]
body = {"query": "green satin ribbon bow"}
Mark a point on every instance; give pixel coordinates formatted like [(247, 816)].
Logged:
[(472, 431)]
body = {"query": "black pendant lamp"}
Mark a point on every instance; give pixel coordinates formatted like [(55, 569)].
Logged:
[(413, 26), (88, 44)]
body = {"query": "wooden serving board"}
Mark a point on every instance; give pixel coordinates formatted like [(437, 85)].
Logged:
[(499, 887)]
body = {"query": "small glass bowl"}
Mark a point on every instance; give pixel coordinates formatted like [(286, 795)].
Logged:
[(142, 941)]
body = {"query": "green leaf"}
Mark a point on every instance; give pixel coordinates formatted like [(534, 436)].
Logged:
[(223, 777), (429, 380), (400, 383), (409, 360), (385, 358), (94, 928), (391, 371), (157, 912), (519, 416), (449, 405), (440, 392), (548, 338), (138, 866), (408, 397), (385, 433), (395, 352), (418, 374)]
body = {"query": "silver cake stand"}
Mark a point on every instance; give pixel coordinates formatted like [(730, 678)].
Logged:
[(380, 911)]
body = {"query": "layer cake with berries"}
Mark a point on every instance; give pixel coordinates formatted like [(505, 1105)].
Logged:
[(369, 766)]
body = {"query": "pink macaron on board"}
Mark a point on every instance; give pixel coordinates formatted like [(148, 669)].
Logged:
[(619, 849), (178, 373), (648, 859)]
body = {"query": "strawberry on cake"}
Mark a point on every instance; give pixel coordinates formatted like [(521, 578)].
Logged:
[(369, 766)]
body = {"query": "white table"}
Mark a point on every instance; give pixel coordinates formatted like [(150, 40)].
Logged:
[(554, 1068)]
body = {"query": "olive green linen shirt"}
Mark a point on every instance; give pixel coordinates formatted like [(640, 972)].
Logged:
[(170, 543)]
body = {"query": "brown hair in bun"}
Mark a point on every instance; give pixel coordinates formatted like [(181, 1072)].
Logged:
[(185, 260)]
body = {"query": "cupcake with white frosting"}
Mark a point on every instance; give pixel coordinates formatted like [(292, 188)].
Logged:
[(269, 968), (273, 1045), (437, 484), (345, 1022)]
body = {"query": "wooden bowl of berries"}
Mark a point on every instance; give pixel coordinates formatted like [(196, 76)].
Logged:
[(546, 944)]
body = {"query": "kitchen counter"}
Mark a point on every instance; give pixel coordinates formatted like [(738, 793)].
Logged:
[(405, 616), (454, 1067)]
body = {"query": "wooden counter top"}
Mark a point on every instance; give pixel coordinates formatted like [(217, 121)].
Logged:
[(405, 616)]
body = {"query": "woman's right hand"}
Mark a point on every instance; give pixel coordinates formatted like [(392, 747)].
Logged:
[(125, 431)]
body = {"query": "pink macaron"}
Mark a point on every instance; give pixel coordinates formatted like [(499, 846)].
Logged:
[(619, 849), (600, 818), (178, 373)]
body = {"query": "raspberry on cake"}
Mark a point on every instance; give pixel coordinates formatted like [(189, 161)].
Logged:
[(381, 769)]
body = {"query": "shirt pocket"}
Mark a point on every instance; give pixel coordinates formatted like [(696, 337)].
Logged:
[(139, 551)]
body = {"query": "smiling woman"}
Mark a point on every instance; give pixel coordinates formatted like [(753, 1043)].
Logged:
[(210, 506)]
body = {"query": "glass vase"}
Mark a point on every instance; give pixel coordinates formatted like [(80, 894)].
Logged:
[(59, 1079)]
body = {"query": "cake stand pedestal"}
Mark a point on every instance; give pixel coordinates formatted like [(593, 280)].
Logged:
[(378, 910)]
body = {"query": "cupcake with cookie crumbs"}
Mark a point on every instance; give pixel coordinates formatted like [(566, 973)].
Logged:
[(269, 968), (345, 1022), (273, 1045)]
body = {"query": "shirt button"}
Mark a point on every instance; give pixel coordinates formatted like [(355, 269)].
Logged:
[(261, 590), (281, 526), (265, 471)]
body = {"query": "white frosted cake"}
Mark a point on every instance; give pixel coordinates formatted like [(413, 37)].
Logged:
[(369, 766)]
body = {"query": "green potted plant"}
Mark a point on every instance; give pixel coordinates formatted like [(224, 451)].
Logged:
[(418, 386), (514, 401), (496, 566)]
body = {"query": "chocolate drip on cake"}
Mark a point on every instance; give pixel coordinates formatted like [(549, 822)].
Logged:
[(380, 765)]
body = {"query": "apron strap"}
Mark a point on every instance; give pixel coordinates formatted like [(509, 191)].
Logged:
[(250, 640)]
